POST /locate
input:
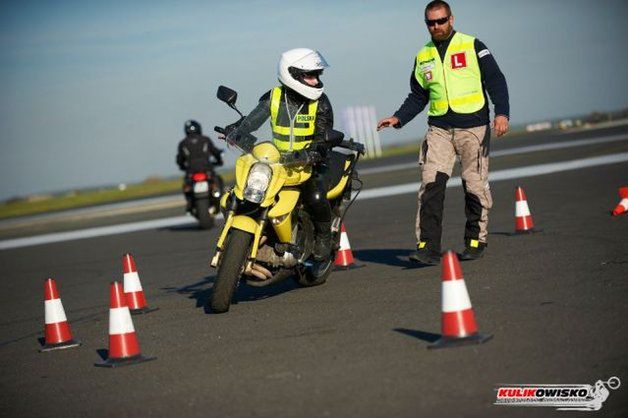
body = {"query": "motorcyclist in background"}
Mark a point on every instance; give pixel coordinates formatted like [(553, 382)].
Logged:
[(300, 116), (194, 155)]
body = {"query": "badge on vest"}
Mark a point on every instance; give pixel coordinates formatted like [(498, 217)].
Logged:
[(304, 118), (458, 60), (427, 65), (426, 68)]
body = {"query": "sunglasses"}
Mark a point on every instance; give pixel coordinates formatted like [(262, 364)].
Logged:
[(440, 21)]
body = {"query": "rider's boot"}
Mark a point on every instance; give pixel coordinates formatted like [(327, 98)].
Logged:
[(322, 241)]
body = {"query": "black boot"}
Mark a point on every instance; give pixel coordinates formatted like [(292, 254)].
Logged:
[(424, 254), (322, 241), (473, 250)]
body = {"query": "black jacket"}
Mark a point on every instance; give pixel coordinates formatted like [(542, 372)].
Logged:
[(194, 153), (493, 81), (324, 113)]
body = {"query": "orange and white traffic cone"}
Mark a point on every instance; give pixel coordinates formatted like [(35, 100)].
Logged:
[(56, 329), (458, 320), (622, 206), (344, 256), (523, 217), (123, 346), (133, 287)]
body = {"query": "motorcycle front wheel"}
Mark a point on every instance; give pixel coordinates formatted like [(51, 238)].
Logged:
[(230, 269)]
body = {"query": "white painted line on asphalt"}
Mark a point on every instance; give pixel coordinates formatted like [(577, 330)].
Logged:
[(509, 174), (512, 151), (114, 209), (96, 232), (111, 210)]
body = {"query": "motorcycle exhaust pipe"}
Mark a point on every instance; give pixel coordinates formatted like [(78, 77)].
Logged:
[(263, 270), (258, 272)]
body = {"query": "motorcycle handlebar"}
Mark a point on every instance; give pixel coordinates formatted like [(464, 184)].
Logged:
[(303, 157), (353, 146), (350, 145)]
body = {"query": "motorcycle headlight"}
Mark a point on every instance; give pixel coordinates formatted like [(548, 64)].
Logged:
[(257, 182)]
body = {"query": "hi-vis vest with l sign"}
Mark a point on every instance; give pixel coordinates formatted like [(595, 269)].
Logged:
[(304, 123), (455, 83)]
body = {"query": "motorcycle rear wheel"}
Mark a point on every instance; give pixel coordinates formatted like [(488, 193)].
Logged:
[(205, 220), (313, 276), (306, 276), (230, 269)]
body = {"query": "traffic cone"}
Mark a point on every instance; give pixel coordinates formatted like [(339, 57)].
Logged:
[(344, 256), (622, 206), (523, 217), (133, 287), (123, 346), (458, 320), (57, 332)]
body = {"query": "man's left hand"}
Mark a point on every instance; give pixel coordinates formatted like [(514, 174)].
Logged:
[(500, 125)]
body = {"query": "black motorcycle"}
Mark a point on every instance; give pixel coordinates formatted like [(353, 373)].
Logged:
[(204, 189)]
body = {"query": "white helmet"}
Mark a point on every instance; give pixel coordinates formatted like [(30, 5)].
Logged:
[(294, 64)]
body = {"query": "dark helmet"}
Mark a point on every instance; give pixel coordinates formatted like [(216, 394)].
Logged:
[(192, 127)]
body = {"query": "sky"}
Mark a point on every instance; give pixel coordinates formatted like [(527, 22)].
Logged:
[(95, 93)]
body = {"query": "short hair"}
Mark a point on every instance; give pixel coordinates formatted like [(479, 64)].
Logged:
[(437, 4)]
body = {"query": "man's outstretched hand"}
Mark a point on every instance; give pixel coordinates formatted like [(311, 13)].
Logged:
[(388, 122)]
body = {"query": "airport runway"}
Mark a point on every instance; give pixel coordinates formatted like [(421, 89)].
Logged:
[(356, 346)]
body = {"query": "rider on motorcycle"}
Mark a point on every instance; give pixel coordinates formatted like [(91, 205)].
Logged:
[(194, 156), (300, 116)]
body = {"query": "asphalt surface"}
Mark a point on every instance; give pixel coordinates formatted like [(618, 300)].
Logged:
[(555, 302)]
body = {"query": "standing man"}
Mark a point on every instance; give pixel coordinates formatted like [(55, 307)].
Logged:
[(452, 73)]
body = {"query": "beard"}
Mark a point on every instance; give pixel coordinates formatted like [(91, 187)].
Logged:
[(441, 35)]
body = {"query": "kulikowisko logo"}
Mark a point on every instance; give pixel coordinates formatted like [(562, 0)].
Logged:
[(562, 397)]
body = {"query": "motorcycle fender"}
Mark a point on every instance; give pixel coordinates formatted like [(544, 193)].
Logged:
[(241, 222), (244, 223), (225, 231)]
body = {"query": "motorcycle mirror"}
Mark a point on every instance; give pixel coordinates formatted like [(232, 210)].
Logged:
[(227, 95), (334, 136)]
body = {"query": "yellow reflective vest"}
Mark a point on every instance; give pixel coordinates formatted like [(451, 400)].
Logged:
[(454, 84), (304, 123)]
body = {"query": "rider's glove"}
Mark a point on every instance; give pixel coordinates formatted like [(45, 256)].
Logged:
[(229, 129), (321, 149)]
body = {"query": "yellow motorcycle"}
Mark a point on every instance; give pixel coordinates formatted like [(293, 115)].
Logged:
[(268, 235)]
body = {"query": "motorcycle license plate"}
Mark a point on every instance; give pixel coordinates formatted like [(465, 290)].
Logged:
[(201, 187)]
